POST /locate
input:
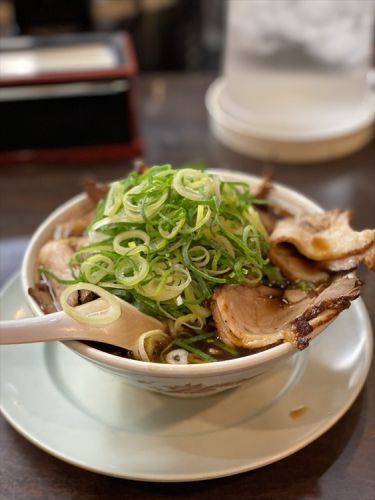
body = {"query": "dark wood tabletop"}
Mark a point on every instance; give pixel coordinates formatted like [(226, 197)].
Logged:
[(339, 465)]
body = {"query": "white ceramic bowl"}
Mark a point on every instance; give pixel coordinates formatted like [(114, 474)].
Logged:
[(174, 380)]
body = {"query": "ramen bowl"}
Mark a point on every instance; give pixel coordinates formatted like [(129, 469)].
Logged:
[(191, 380)]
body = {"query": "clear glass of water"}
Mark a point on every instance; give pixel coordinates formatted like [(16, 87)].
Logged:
[(298, 65)]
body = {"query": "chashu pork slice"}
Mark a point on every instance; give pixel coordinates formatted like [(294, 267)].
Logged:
[(55, 256), (352, 262), (323, 236), (369, 258), (260, 317), (295, 266), (74, 226)]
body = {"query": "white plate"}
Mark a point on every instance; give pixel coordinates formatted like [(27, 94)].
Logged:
[(91, 419)]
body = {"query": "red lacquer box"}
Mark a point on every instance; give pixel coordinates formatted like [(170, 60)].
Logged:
[(68, 98)]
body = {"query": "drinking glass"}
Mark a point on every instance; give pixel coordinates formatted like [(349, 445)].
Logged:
[(298, 66)]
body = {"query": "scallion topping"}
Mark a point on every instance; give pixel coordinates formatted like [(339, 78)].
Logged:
[(163, 240)]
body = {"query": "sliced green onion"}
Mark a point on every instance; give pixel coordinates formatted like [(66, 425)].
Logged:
[(196, 270), (199, 255), (202, 217), (106, 221), (193, 184), (225, 347), (169, 235), (194, 350), (191, 320), (131, 270), (166, 283), (145, 347), (253, 217), (131, 235), (96, 267), (114, 199), (165, 239), (43, 270), (104, 317), (135, 206), (201, 336)]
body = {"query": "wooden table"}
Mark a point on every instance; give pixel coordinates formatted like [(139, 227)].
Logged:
[(174, 125)]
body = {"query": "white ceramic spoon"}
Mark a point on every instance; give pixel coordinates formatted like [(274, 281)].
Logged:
[(124, 332)]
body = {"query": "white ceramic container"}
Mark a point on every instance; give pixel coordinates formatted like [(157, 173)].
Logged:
[(175, 380)]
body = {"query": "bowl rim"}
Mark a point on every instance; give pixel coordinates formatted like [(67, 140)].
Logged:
[(44, 232)]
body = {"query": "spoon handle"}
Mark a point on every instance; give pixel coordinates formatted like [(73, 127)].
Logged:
[(123, 332), (56, 326)]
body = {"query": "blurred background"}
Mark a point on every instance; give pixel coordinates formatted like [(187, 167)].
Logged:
[(292, 76), (168, 34), (72, 65)]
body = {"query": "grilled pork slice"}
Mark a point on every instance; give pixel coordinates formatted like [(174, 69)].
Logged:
[(43, 295), (324, 236), (95, 190), (369, 258), (294, 266), (261, 317), (352, 262), (55, 256), (271, 214), (269, 220), (74, 226), (264, 188)]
